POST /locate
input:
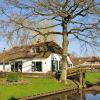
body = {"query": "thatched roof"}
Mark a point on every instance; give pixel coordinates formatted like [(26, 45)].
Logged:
[(93, 59), (22, 52), (82, 60), (78, 60)]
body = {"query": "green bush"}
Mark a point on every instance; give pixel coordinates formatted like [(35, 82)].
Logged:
[(57, 75), (12, 77), (12, 98)]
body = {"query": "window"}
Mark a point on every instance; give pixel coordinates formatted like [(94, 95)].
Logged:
[(12, 67), (16, 66), (20, 67), (54, 65), (37, 66), (36, 49), (33, 66), (59, 65)]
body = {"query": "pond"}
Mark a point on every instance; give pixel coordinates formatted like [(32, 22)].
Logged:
[(74, 95)]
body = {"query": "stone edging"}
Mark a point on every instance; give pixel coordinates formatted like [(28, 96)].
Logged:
[(46, 94)]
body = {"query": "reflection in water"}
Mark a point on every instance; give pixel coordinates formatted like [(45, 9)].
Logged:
[(92, 97), (73, 95), (82, 95)]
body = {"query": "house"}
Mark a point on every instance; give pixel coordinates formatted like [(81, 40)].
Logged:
[(41, 57), (92, 62), (86, 61)]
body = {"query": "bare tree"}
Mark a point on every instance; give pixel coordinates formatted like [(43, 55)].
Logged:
[(44, 37), (79, 19), (15, 34)]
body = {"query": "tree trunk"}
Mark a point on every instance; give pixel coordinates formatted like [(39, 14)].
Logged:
[(64, 52)]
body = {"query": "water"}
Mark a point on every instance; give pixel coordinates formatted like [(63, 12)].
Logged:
[(92, 97), (74, 95)]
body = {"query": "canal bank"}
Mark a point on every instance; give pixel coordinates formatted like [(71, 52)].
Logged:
[(36, 87), (94, 88), (71, 86), (77, 94), (74, 95), (92, 91)]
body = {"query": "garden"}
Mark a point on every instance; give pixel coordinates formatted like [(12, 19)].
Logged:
[(16, 86)]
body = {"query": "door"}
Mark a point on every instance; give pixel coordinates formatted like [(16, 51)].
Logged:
[(54, 64)]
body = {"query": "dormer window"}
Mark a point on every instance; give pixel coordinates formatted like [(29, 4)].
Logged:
[(36, 49)]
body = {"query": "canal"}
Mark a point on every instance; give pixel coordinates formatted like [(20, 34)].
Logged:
[(74, 95)]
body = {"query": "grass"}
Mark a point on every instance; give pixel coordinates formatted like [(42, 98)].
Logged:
[(38, 85), (92, 77)]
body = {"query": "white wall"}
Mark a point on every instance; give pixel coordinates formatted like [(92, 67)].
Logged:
[(47, 62), (7, 67), (1, 67), (70, 62), (26, 65)]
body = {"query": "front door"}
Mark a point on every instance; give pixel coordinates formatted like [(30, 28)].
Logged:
[(54, 64)]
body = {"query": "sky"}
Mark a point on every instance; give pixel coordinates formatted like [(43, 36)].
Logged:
[(74, 46)]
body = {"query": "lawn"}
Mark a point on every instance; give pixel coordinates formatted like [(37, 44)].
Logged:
[(37, 85), (93, 77)]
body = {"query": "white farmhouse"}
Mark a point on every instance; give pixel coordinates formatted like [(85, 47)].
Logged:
[(42, 57)]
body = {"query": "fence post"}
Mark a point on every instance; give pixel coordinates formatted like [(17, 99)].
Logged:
[(81, 78)]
